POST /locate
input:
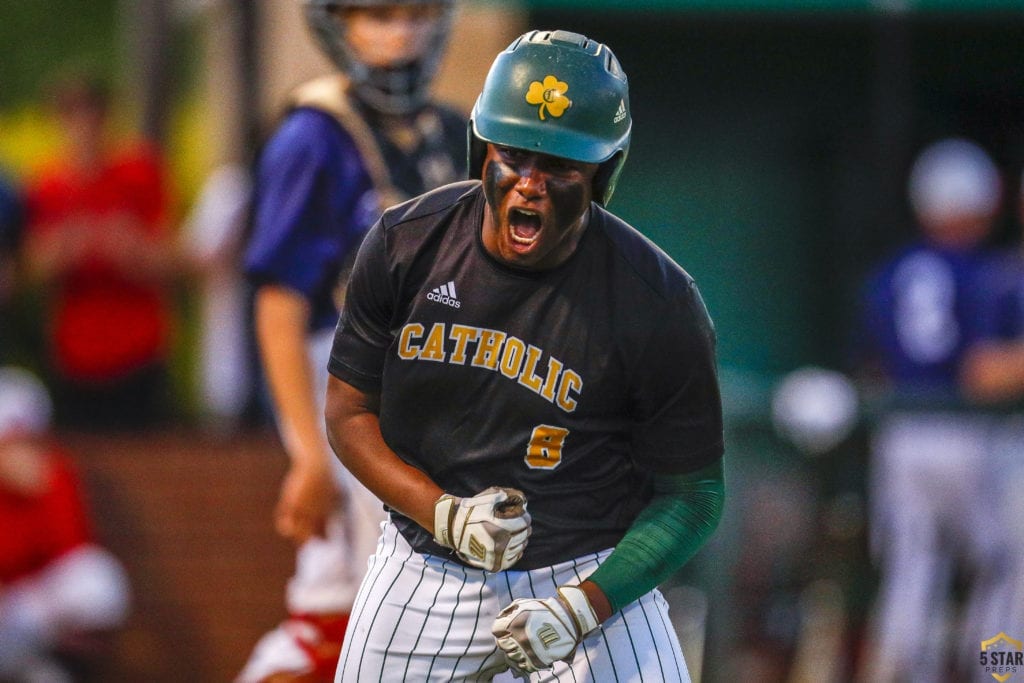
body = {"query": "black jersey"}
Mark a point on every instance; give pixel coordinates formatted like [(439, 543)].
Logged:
[(573, 384)]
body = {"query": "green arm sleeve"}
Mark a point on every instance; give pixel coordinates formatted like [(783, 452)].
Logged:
[(682, 514)]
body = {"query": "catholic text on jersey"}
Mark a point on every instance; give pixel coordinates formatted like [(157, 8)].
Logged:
[(496, 351)]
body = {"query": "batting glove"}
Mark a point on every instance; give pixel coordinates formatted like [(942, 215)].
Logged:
[(488, 531), (534, 634)]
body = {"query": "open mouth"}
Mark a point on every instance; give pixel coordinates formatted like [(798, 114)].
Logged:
[(524, 225)]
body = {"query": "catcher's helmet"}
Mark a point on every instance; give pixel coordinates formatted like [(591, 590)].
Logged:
[(556, 93), (396, 89)]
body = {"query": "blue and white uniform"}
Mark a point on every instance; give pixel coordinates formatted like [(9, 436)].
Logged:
[(323, 179), (923, 308), (930, 510), (1005, 328)]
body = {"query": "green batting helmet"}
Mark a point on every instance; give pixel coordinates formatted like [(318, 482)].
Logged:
[(557, 93)]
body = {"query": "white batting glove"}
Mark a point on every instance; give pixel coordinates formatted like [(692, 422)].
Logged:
[(534, 633), (488, 531)]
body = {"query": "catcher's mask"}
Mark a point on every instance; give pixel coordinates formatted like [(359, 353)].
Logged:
[(393, 89), (557, 93)]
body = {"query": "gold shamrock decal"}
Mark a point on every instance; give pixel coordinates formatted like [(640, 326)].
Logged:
[(550, 95)]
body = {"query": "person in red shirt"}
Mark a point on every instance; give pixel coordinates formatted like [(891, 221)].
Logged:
[(98, 243), (61, 594)]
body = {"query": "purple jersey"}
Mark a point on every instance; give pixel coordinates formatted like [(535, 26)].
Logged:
[(923, 308), (573, 384), (1005, 314), (315, 200)]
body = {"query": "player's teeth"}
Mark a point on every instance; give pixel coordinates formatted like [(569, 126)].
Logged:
[(523, 240), (524, 226), (524, 234)]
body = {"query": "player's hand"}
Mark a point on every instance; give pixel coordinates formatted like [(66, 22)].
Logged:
[(534, 633), (308, 495), (488, 531)]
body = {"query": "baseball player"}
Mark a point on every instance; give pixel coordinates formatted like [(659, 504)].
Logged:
[(530, 387), (994, 373), (351, 144), (930, 504), (63, 595)]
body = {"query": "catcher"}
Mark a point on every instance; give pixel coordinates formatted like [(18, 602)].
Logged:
[(351, 143), (508, 338)]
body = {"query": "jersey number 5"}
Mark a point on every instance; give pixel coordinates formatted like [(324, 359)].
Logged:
[(544, 451)]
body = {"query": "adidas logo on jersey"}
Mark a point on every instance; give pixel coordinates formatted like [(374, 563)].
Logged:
[(621, 112), (445, 294)]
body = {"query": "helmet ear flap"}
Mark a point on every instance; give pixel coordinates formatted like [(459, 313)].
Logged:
[(606, 177), (477, 150)]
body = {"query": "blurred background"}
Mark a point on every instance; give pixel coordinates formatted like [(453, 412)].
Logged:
[(771, 148)]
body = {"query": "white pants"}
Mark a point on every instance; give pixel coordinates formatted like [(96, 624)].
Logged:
[(212, 233), (932, 506), (428, 618), (84, 590), (1008, 469), (328, 571)]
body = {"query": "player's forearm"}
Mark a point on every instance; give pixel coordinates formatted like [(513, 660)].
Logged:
[(598, 600), (281, 321), (994, 372), (354, 433), (680, 518)]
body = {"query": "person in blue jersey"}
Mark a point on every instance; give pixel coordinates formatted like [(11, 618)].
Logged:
[(351, 144), (994, 375), (925, 309), (530, 386), (923, 305)]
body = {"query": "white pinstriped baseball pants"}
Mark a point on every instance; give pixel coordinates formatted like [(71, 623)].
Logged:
[(426, 618)]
